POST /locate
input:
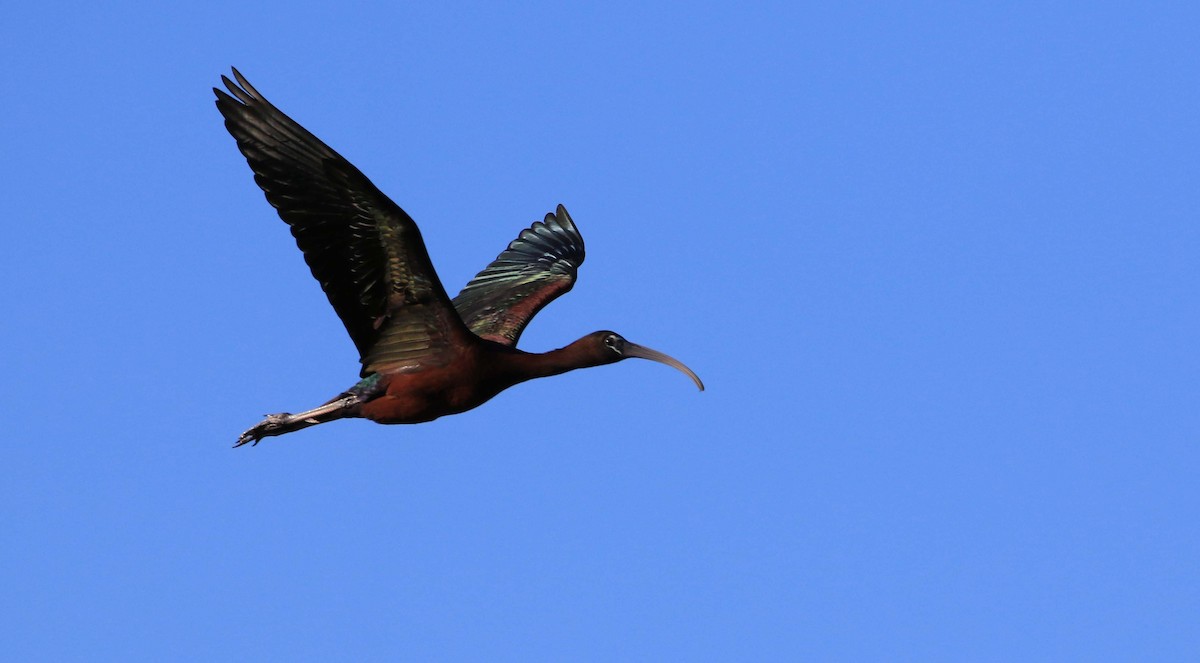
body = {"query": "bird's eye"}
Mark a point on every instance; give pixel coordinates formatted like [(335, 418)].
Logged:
[(613, 343)]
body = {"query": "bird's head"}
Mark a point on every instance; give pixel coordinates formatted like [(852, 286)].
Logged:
[(606, 347)]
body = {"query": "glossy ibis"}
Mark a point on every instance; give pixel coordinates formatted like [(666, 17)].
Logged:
[(423, 354)]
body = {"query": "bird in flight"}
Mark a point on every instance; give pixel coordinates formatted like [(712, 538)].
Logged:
[(423, 354)]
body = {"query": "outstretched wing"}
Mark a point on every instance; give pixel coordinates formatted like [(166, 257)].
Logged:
[(538, 266), (366, 252)]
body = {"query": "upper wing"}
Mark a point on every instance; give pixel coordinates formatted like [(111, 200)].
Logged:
[(538, 266), (364, 250)]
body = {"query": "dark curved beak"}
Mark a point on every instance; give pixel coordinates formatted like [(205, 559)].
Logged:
[(642, 352)]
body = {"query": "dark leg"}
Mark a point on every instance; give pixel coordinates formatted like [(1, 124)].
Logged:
[(278, 424)]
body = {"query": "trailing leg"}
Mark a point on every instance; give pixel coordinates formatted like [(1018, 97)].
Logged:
[(343, 406)]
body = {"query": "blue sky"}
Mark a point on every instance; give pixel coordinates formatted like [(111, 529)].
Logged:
[(936, 264)]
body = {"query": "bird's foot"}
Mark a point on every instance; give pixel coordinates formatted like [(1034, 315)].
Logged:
[(274, 424)]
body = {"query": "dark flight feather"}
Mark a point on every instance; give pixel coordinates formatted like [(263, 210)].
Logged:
[(364, 250), (538, 266)]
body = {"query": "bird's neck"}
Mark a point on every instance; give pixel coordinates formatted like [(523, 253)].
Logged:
[(528, 365)]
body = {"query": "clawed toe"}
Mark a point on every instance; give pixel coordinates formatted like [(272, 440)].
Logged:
[(273, 425)]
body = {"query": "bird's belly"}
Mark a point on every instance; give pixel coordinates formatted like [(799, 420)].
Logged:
[(425, 396)]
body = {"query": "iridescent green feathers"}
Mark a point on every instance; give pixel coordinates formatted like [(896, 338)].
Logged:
[(368, 255), (538, 266)]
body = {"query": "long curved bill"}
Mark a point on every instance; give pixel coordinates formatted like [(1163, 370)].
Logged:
[(642, 352)]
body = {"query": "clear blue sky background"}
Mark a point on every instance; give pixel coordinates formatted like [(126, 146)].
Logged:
[(937, 265)]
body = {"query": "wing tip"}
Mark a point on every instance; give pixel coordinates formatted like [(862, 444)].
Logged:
[(239, 90), (561, 219)]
